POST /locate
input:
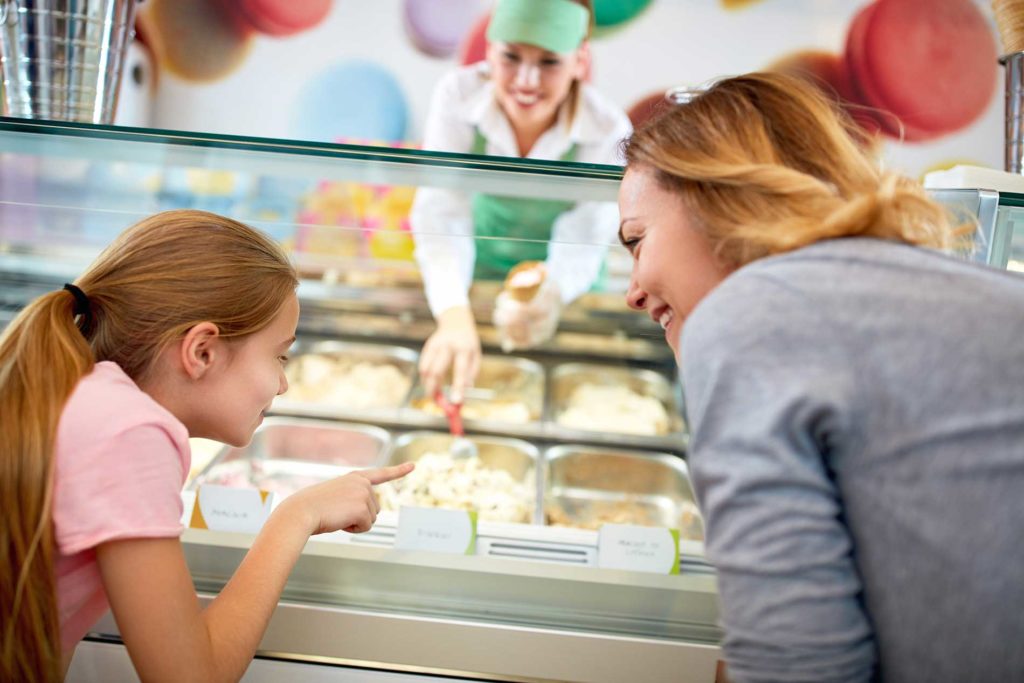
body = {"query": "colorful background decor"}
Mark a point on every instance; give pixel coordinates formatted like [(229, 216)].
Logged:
[(920, 75)]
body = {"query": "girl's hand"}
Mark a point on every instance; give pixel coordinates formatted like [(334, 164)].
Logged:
[(170, 637), (347, 503)]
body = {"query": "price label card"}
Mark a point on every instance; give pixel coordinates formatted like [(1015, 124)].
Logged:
[(223, 508), (443, 531), (638, 548)]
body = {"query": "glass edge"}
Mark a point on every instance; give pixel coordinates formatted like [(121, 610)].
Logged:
[(1012, 199), (311, 148)]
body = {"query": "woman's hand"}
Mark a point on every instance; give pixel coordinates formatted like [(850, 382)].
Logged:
[(523, 325), (348, 503), (455, 346)]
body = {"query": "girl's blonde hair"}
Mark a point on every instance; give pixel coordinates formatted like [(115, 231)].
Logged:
[(158, 279), (768, 164)]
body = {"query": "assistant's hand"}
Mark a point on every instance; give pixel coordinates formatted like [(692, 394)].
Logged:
[(525, 324), (455, 346), (347, 503)]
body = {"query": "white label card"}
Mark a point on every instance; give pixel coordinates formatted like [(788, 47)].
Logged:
[(436, 529), (638, 548), (224, 508)]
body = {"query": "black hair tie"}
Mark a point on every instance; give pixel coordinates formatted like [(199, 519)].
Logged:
[(81, 300)]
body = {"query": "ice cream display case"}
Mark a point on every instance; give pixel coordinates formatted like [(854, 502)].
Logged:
[(585, 559), (991, 204)]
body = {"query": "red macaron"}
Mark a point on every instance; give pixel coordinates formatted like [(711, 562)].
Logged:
[(930, 65), (277, 18)]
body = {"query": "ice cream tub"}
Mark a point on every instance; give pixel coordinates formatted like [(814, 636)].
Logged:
[(286, 454), (613, 399), (507, 389), (283, 477), (586, 487), (335, 378), (500, 483)]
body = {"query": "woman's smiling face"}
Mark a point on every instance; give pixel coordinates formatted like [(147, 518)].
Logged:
[(530, 82), (673, 265)]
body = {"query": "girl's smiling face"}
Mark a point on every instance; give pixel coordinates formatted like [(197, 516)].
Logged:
[(673, 265), (240, 379)]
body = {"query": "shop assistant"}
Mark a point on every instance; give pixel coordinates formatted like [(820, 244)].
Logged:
[(527, 99)]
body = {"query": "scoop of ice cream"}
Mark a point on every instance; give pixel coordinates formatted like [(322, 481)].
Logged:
[(346, 382), (525, 280), (440, 480), (614, 408)]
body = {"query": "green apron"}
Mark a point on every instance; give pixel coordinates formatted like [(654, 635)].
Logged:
[(508, 230)]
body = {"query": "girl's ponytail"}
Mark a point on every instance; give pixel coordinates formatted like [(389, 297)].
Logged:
[(42, 357)]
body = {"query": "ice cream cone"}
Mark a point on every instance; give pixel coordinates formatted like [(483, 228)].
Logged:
[(525, 280), (1010, 21)]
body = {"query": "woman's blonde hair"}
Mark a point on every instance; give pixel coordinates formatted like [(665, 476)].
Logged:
[(158, 279), (769, 164)]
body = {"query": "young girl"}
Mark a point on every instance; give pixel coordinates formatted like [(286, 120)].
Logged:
[(529, 100), (180, 328)]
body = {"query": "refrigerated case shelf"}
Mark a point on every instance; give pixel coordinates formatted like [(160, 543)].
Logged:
[(523, 609)]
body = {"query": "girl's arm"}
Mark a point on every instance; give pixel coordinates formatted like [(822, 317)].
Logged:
[(169, 637)]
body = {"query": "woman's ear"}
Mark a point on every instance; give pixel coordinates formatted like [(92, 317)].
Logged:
[(582, 72), (200, 348)]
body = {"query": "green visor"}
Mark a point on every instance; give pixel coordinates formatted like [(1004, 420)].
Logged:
[(555, 25)]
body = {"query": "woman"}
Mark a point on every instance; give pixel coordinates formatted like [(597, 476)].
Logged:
[(180, 328), (526, 100), (856, 397)]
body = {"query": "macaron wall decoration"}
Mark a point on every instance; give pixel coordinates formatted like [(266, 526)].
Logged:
[(474, 45), (206, 40), (920, 77), (646, 107), (930, 64), (352, 100), (609, 13), (192, 39), (277, 18), (437, 27), (911, 70)]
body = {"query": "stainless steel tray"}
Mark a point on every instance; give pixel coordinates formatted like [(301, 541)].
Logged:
[(564, 379), (507, 390), (339, 403), (516, 457), (588, 486), (293, 447)]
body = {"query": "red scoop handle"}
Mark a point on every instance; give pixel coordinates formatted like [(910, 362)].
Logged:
[(452, 411)]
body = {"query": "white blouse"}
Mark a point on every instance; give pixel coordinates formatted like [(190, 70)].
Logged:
[(441, 219)]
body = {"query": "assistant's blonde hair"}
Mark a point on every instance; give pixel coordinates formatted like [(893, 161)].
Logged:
[(159, 278), (572, 100), (768, 164)]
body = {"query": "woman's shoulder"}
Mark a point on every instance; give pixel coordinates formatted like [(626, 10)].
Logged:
[(763, 300)]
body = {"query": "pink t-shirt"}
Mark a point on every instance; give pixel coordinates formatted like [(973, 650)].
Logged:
[(121, 462)]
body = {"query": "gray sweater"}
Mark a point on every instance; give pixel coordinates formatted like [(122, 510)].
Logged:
[(857, 416)]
